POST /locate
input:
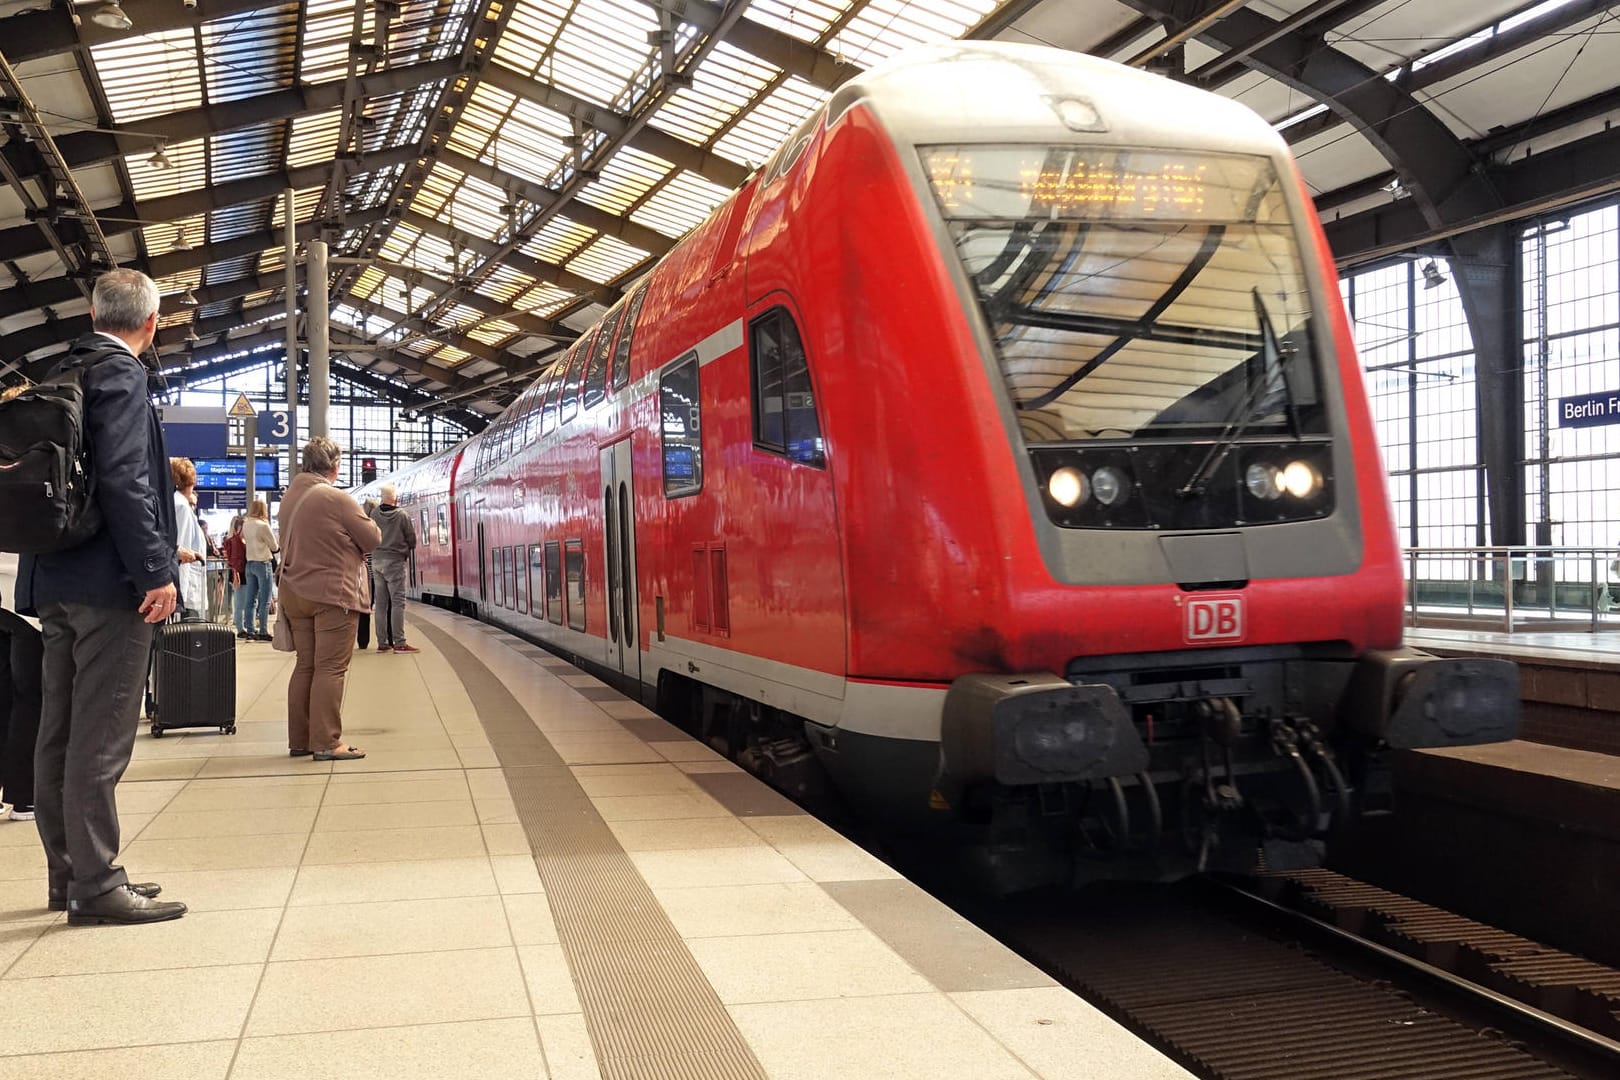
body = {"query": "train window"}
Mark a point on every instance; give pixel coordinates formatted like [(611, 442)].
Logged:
[(784, 403), (574, 574), (621, 351), (522, 574), (553, 391), (554, 590), (682, 427), (422, 534), (576, 372), (497, 557), (536, 573), (509, 568), (444, 524), (596, 372)]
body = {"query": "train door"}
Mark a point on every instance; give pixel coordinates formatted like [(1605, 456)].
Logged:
[(619, 560), (483, 567)]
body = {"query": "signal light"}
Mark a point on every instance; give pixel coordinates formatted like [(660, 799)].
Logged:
[(368, 470)]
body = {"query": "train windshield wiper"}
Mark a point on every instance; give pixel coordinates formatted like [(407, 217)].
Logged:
[(1273, 357)]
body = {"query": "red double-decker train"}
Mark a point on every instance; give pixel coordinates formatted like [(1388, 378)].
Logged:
[(998, 453)]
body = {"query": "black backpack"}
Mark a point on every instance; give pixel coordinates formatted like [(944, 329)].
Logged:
[(47, 488)]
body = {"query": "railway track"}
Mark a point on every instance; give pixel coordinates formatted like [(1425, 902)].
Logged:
[(1304, 975)]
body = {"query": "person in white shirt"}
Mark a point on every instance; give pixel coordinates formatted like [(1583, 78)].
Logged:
[(261, 544), (192, 547)]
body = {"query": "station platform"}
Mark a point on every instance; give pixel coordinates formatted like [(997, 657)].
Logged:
[(1566, 648), (529, 876)]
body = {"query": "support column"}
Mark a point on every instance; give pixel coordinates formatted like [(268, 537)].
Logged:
[(1490, 280), (320, 365), (291, 259)]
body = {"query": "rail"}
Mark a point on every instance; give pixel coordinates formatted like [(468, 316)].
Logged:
[(1562, 588)]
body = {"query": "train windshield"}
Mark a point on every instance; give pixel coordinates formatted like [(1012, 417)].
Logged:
[(1129, 291)]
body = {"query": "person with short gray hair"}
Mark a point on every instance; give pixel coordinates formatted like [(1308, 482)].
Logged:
[(388, 564), (321, 455), (97, 604)]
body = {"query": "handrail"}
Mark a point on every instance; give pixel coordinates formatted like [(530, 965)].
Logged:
[(1571, 584)]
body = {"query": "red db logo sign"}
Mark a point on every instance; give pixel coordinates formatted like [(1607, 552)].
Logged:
[(1215, 618)]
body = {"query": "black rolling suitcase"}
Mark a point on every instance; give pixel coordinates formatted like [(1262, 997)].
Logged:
[(193, 678)]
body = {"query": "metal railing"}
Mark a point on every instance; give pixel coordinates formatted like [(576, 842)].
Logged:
[(1569, 588)]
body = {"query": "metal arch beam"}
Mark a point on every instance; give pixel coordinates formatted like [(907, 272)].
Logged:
[(1315, 20), (1435, 166), (808, 61), (1465, 60), (517, 260), (15, 242), (87, 148), (602, 221), (649, 140), (33, 35)]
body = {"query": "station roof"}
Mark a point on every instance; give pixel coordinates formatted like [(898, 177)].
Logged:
[(498, 171)]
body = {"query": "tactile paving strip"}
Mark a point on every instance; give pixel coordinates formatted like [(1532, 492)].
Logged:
[(651, 1013)]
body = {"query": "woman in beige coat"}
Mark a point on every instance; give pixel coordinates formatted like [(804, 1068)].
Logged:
[(324, 539)]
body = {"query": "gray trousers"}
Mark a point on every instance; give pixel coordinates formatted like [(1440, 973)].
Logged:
[(388, 578), (95, 670)]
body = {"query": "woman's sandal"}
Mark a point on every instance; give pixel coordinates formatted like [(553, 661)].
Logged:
[(348, 753)]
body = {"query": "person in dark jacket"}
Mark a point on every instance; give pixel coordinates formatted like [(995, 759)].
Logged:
[(97, 604), (388, 566)]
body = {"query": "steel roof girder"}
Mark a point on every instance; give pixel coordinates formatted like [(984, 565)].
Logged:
[(601, 220), (32, 35), (1437, 169), (550, 273), (809, 62)]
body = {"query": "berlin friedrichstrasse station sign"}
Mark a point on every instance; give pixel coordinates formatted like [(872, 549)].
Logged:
[(1589, 410)]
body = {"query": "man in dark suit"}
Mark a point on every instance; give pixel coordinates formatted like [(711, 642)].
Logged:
[(97, 604)]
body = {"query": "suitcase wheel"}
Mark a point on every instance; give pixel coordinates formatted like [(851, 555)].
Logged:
[(157, 730), (228, 729)]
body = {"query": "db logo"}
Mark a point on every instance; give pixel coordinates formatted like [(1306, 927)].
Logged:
[(1216, 618)]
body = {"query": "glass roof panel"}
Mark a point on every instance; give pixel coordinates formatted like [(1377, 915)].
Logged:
[(601, 48), (559, 239), (328, 26), (757, 135), (528, 36), (180, 282), (545, 299), (398, 119), (305, 203), (607, 258), (314, 138), (504, 283), (187, 171), (460, 201), (450, 356), (806, 20), (885, 27), (229, 222), (149, 75), (249, 55), (629, 175), (680, 204), (248, 152), (229, 270), (722, 85), (493, 333)]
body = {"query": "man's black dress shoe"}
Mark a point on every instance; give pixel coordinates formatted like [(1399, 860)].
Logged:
[(141, 888), (122, 905)]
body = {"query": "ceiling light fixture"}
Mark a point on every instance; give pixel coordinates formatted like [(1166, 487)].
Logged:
[(188, 299), (1432, 276), (191, 335), (180, 242), (160, 157), (111, 16)]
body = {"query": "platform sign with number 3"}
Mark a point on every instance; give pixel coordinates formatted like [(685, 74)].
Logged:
[(275, 427)]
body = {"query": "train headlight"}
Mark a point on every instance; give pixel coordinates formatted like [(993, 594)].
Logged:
[(1263, 481), (1067, 486), (1301, 479), (1109, 484)]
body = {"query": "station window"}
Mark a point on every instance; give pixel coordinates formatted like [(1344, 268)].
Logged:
[(784, 404), (554, 589), (621, 351), (596, 372), (574, 572), (682, 423)]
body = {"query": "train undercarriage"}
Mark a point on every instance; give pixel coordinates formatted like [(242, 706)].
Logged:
[(1145, 767)]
